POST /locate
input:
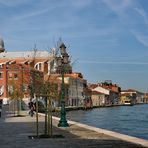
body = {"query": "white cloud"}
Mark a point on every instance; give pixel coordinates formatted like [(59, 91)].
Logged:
[(141, 37), (118, 63), (118, 5), (31, 14), (133, 16), (44, 6), (142, 13)]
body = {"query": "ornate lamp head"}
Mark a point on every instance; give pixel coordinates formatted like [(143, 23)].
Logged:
[(59, 61), (65, 58), (62, 48)]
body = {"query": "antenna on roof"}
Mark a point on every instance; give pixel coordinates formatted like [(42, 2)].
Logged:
[(34, 52), (35, 47)]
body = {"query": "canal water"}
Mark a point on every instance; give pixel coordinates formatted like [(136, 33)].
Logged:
[(129, 120)]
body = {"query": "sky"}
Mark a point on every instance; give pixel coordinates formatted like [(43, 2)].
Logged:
[(107, 39)]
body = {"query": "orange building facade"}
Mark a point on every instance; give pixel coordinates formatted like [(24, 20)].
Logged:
[(27, 71), (20, 79)]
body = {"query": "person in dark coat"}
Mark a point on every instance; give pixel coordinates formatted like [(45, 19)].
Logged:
[(1, 102), (31, 107)]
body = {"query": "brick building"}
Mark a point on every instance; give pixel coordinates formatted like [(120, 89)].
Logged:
[(28, 70), (20, 79), (24, 70)]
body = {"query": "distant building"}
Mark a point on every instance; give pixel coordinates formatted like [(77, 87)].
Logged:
[(105, 93), (87, 94), (137, 97), (74, 88), (146, 98), (126, 99), (100, 95), (115, 90), (98, 98)]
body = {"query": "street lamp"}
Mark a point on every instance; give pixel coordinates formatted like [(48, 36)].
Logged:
[(61, 62)]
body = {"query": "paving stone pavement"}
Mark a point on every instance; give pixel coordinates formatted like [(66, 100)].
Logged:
[(14, 132)]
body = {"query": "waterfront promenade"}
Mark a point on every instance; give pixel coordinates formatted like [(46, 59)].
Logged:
[(14, 132)]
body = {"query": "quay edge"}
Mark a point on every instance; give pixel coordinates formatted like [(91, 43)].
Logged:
[(123, 137)]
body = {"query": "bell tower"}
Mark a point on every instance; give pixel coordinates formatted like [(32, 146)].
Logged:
[(2, 48)]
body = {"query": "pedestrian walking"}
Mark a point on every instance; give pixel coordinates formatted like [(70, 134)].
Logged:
[(1, 107), (32, 108), (0, 112)]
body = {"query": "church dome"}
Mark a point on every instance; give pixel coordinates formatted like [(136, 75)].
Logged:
[(2, 49)]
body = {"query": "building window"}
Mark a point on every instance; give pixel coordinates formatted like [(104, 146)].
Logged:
[(1, 90), (25, 87), (10, 89), (15, 76), (1, 75), (1, 65), (69, 92), (10, 76), (38, 66)]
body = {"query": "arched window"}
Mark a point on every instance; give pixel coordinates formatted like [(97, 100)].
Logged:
[(1, 90), (1, 65), (38, 66), (1, 75)]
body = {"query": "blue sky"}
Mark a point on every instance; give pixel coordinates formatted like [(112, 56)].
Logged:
[(108, 39)]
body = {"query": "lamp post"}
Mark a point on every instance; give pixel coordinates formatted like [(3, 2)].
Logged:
[(62, 61)]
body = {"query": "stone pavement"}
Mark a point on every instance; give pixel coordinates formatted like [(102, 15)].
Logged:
[(14, 132)]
